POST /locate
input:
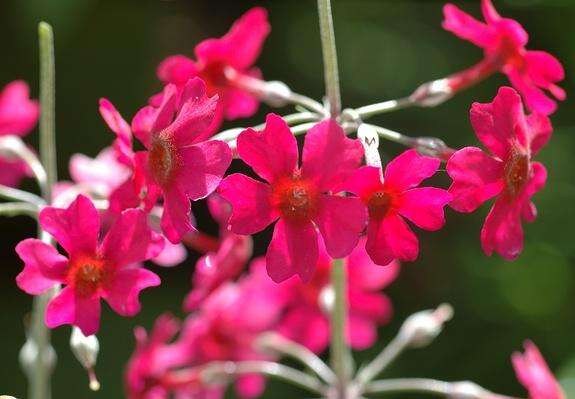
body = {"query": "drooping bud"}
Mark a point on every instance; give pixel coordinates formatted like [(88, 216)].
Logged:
[(370, 141), (432, 93), (423, 327), (433, 147), (86, 351)]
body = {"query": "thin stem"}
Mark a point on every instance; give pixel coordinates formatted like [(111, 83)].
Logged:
[(394, 136), (13, 146), (397, 345), (47, 106), (306, 102), (331, 73), (281, 345), (18, 208), (40, 369), (340, 355), (216, 370), (15, 194), (421, 385), (383, 107)]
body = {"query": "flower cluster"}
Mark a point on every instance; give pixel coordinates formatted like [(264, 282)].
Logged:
[(132, 204)]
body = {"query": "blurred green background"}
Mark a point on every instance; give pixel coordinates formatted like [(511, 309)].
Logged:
[(111, 48)]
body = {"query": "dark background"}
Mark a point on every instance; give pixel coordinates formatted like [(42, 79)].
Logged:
[(111, 48)]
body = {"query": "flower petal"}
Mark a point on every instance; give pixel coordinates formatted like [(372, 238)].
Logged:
[(340, 221), (18, 114), (502, 231), (389, 239), (271, 153), (540, 130), (203, 166), (365, 274), (424, 207), (361, 332), (535, 98), (466, 27), (292, 250), (44, 267), (69, 308), (408, 170), (239, 104), (117, 124), (306, 326), (476, 177), (177, 216), (329, 157), (250, 200), (176, 69), (75, 228), (122, 293)]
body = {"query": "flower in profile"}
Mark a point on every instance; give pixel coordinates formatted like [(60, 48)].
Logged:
[(503, 41), (94, 269), (306, 318), (177, 164), (18, 116), (223, 263), (534, 374), (508, 173), (148, 370), (304, 199), (394, 197), (223, 63)]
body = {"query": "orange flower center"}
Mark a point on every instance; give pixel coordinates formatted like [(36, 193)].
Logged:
[(86, 275), (379, 204), (295, 198), (162, 159)]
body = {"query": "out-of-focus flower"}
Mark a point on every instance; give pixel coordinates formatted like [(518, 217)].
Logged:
[(93, 269), (177, 164), (303, 199), (503, 41), (307, 320), (534, 374), (223, 63), (18, 116), (395, 197), (508, 173)]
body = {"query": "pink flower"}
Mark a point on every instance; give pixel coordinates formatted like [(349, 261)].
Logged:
[(229, 322), (395, 197), (222, 265), (507, 173), (534, 374), (222, 63), (147, 374), (307, 320), (93, 269), (503, 41), (177, 164), (18, 116), (303, 199)]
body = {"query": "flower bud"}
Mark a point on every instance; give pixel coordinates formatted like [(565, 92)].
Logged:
[(276, 94), (433, 147), (468, 390), (370, 141), (86, 351), (432, 93), (423, 327)]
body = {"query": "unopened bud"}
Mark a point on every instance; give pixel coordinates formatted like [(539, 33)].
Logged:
[(327, 299), (432, 93), (468, 390), (423, 327), (433, 147), (29, 355), (86, 351), (276, 94), (370, 141)]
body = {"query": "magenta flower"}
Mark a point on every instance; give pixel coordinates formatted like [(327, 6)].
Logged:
[(303, 199), (397, 197), (177, 164), (507, 173), (222, 63), (534, 374), (147, 374), (18, 116), (224, 263), (306, 319), (503, 41), (93, 269)]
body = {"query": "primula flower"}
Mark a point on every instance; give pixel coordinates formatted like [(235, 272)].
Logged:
[(18, 116), (93, 269), (147, 374), (177, 164), (302, 198), (229, 322), (396, 197), (307, 319), (222, 63), (534, 374), (503, 41), (507, 173), (226, 262)]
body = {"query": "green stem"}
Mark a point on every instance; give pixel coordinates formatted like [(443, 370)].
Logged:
[(40, 368), (340, 355), (331, 73)]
